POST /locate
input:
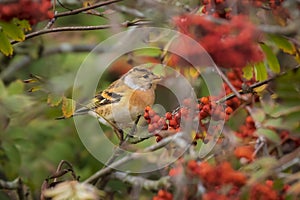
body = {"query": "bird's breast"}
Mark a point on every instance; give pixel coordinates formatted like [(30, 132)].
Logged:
[(140, 99)]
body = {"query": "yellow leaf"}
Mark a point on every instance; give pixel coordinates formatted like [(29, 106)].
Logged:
[(68, 107)]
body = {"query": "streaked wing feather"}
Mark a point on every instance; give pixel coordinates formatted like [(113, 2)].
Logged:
[(101, 99)]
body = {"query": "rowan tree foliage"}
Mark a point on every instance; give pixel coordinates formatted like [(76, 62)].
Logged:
[(255, 48)]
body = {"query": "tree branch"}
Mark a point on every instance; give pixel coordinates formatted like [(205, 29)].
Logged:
[(79, 10), (82, 28), (143, 182)]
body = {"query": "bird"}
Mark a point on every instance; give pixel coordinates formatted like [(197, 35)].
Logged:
[(123, 101)]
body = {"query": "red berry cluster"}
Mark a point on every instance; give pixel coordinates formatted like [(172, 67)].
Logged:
[(212, 177), (32, 10), (231, 45), (163, 195), (216, 175), (217, 178), (235, 77), (171, 121), (247, 129)]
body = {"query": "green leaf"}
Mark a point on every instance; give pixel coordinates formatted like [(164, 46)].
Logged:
[(288, 88), (16, 87), (258, 114), (248, 72), (269, 134), (271, 58), (17, 103), (12, 31), (152, 52), (260, 71), (54, 100), (5, 46), (283, 44), (68, 107)]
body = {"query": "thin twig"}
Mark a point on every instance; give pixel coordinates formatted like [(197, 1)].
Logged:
[(79, 10), (163, 182), (127, 10), (237, 94)]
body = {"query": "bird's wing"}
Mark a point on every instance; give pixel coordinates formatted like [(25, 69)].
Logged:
[(103, 98)]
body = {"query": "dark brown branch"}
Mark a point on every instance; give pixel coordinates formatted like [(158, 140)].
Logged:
[(80, 10)]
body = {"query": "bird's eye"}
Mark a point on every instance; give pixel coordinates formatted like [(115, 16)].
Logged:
[(146, 76)]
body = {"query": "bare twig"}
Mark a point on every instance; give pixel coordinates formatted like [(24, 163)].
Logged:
[(80, 10), (127, 10), (237, 94), (163, 182)]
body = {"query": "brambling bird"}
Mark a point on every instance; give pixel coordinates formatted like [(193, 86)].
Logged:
[(124, 100)]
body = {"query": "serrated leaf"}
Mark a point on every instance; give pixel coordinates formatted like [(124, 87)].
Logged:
[(12, 31), (248, 72), (16, 87), (269, 134), (54, 100), (283, 44), (68, 107), (271, 58), (260, 70), (5, 46)]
